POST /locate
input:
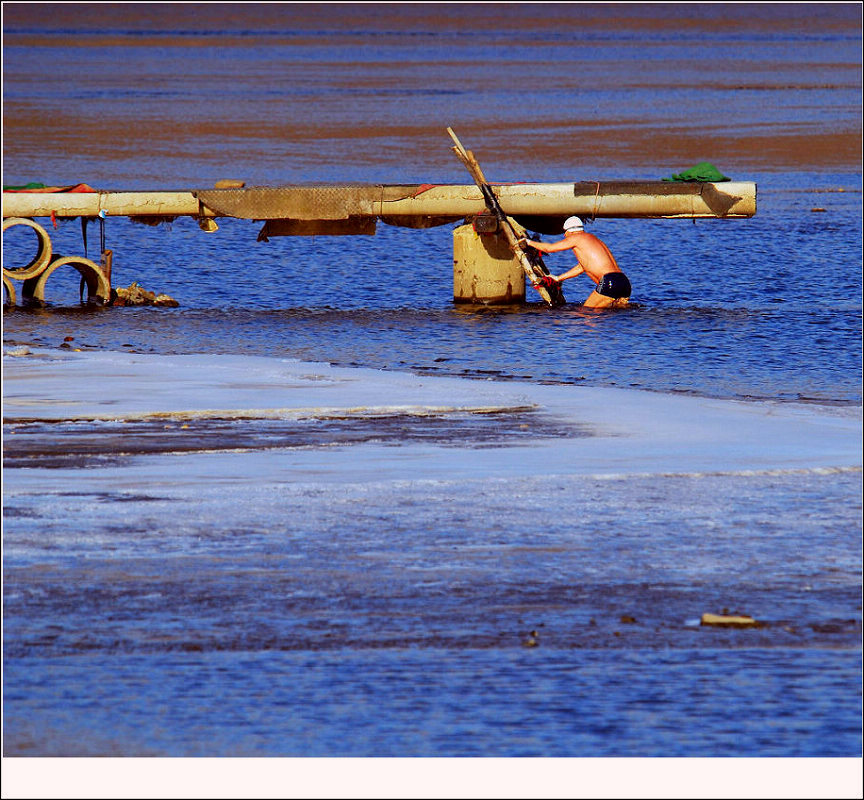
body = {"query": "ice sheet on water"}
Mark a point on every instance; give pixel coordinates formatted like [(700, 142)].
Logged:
[(122, 386), (577, 430)]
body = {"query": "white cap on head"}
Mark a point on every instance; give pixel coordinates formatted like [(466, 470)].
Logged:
[(573, 224)]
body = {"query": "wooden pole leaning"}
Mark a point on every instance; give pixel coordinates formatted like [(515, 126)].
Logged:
[(532, 264)]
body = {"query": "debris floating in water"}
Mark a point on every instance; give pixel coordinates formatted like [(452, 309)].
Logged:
[(726, 620), (135, 295), (533, 640)]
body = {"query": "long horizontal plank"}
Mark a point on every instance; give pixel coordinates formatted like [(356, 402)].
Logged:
[(650, 199), (113, 204), (606, 199)]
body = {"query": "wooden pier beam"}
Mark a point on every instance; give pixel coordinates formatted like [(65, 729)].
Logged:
[(623, 199), (113, 204)]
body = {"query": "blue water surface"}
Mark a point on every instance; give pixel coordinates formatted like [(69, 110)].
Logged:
[(155, 617)]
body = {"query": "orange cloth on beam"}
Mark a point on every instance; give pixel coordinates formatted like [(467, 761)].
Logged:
[(77, 188)]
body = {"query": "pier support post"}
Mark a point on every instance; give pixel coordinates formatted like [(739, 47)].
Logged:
[(485, 271)]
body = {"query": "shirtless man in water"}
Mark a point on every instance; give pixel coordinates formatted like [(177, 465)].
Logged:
[(595, 260)]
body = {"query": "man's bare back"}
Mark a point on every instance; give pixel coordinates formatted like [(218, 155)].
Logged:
[(595, 260)]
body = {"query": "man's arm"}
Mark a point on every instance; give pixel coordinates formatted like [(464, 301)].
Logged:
[(556, 247), (571, 273), (550, 247)]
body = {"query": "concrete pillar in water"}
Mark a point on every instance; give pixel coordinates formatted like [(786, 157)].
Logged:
[(485, 271)]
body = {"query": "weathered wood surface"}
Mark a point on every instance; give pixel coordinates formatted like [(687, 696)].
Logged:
[(622, 199), (113, 204)]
